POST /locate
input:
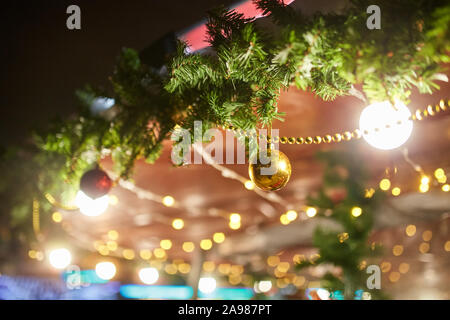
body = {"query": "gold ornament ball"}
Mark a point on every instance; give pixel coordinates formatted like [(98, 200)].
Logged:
[(274, 174)]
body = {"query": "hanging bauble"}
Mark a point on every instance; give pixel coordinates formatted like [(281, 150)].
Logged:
[(271, 172), (95, 183)]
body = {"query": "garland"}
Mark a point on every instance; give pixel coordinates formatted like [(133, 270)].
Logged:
[(239, 83)]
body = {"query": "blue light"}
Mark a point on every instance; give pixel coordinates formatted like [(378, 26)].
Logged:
[(137, 291), (101, 104), (228, 294), (86, 276)]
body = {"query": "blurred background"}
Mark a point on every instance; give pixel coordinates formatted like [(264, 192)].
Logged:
[(206, 227)]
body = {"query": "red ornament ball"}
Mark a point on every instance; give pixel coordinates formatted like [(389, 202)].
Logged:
[(95, 183)]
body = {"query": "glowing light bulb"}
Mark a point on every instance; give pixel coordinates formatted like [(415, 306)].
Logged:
[(425, 180), (235, 218), (264, 286), (178, 224), (323, 294), (219, 237), (149, 275), (166, 244), (60, 258), (188, 246), (207, 285), (105, 270), (356, 211), (284, 219), (311, 212), (206, 244), (249, 185), (291, 215), (385, 184), (384, 127), (396, 191), (424, 188), (91, 207), (168, 201)]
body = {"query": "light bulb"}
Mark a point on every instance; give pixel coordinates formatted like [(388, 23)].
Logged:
[(393, 125), (207, 285), (60, 258), (149, 275), (91, 207), (265, 285), (105, 270)]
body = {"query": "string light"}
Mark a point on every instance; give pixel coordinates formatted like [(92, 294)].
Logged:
[(311, 212), (410, 230), (385, 266), (145, 254), (57, 217), (385, 184), (206, 244), (188, 246), (171, 269), (128, 254), (446, 188), (424, 180), (264, 286), (397, 250), (283, 267), (178, 224), (149, 275), (291, 215), (235, 221), (396, 191), (207, 285), (113, 234), (235, 217), (184, 268), (403, 267), (103, 250), (32, 254), (224, 268), (60, 258), (159, 253), (209, 266), (439, 173), (447, 246), (105, 270), (219, 237), (424, 247), (424, 188), (394, 276), (168, 201), (249, 185), (356, 211), (273, 261), (166, 244), (424, 184), (427, 235), (111, 245), (284, 220)]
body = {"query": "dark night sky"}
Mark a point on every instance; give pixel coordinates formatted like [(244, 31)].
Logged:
[(43, 63)]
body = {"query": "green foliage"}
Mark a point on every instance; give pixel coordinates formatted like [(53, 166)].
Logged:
[(238, 82), (343, 188)]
